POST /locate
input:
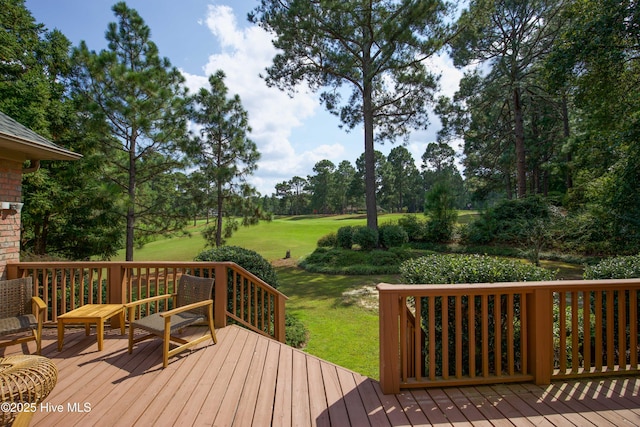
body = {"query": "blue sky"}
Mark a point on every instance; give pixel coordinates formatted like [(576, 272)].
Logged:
[(202, 36)]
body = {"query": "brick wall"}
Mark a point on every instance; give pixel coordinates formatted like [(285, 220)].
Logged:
[(10, 191)]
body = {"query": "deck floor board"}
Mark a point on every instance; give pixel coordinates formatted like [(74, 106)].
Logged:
[(246, 379)]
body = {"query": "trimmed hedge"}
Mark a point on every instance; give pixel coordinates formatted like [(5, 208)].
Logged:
[(365, 237), (622, 267), (392, 236), (447, 269)]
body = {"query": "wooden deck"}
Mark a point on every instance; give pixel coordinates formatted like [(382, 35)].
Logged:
[(249, 380)]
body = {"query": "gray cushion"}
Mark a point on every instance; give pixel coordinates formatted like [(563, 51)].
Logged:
[(18, 324), (155, 324)]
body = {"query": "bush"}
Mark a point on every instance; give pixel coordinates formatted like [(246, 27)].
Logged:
[(414, 227), (447, 269), (622, 267), (255, 263), (345, 237), (297, 333), (328, 241), (507, 222), (392, 236), (346, 261), (365, 237), (245, 258)]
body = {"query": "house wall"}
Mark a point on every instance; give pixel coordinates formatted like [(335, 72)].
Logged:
[(10, 191)]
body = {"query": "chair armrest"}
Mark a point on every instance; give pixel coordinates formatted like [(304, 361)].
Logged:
[(130, 308), (39, 308), (187, 308), (148, 300), (37, 301)]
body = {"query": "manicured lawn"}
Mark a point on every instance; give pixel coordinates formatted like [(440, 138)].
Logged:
[(272, 239), (340, 331)]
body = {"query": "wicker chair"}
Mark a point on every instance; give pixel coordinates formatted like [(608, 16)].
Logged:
[(20, 312), (193, 304)]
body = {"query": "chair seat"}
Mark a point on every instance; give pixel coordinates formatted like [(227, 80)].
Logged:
[(22, 323), (154, 323)]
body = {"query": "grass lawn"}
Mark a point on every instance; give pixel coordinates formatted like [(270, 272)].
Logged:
[(340, 330)]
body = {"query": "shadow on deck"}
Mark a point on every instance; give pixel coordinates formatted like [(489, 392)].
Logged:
[(247, 379)]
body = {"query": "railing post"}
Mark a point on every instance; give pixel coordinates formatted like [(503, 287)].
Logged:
[(540, 335), (12, 271), (117, 291), (220, 296), (280, 332), (389, 341)]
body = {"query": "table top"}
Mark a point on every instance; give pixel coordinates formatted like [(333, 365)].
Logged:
[(93, 310)]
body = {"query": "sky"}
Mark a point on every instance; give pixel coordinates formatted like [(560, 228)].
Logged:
[(202, 36)]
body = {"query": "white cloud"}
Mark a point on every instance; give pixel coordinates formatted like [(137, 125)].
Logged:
[(243, 55), (243, 52)]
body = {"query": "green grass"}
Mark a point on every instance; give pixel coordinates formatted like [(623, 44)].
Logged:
[(340, 332), (272, 239)]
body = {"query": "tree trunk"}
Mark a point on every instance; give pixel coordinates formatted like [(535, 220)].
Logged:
[(521, 164), (131, 213), (219, 203), (569, 159), (369, 149)]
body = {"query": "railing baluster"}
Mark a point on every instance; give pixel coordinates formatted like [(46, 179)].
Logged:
[(575, 334), (562, 314), (610, 331), (459, 333), (586, 340), (471, 301), (485, 334), (497, 326), (510, 335), (633, 329), (622, 330)]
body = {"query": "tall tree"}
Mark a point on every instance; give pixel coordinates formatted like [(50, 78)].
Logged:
[(138, 100), (512, 37), (68, 210), (403, 169), (322, 186), (376, 47), (224, 152)]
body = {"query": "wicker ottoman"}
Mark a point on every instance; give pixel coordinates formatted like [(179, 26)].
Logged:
[(25, 381)]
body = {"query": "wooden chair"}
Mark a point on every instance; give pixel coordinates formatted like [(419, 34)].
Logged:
[(193, 304), (20, 312)]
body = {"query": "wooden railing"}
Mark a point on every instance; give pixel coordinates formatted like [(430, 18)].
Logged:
[(239, 296), (507, 332)]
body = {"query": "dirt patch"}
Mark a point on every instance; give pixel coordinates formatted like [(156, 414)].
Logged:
[(284, 262), (365, 297)]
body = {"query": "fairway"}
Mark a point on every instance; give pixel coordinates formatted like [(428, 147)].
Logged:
[(339, 330), (272, 240)]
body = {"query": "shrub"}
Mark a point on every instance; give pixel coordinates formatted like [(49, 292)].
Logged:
[(439, 206), (622, 267), (508, 221), (245, 258), (346, 261), (413, 226), (345, 237), (446, 269), (297, 333), (365, 237), (392, 236), (259, 266), (328, 241)]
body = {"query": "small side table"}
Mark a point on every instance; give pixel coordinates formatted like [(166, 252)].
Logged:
[(25, 381), (88, 314)]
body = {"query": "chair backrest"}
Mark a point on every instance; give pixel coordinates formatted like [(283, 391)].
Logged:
[(194, 289), (15, 297)]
